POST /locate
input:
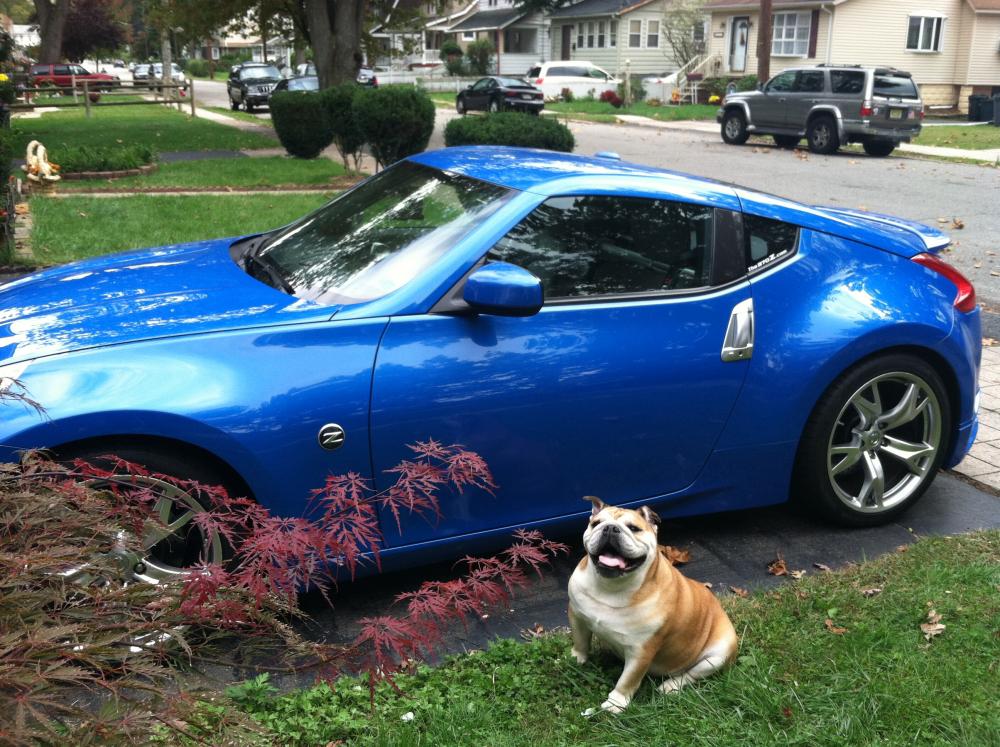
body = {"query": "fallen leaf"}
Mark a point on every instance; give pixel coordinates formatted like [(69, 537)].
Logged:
[(871, 592), (796, 574), (822, 567), (989, 342), (833, 628), (991, 252), (675, 556), (742, 593), (535, 631), (82, 214), (977, 265), (853, 163), (777, 567), (902, 548), (957, 223), (786, 712), (995, 274), (933, 617)]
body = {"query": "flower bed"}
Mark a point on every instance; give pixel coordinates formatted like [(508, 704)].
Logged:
[(117, 174)]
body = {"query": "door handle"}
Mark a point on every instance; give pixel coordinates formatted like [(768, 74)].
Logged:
[(738, 343)]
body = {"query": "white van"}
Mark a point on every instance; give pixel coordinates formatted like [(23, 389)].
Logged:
[(581, 78)]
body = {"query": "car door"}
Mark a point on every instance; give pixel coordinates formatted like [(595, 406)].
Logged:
[(808, 91), (616, 388), (62, 76), (769, 109), (476, 99)]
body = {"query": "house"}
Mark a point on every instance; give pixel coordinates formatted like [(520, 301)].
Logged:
[(609, 32), (520, 38), (952, 47)]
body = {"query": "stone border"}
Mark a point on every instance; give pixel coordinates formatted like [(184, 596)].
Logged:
[(79, 175)]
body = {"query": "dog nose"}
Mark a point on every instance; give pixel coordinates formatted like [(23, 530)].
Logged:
[(613, 528)]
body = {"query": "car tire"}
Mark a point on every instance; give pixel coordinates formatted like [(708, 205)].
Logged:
[(787, 142), (460, 105), (734, 128), (248, 106), (494, 106), (874, 442), (879, 148), (822, 136), (233, 104), (169, 557)]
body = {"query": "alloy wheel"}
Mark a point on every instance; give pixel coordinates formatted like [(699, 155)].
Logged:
[(821, 136), (884, 442), (733, 128)]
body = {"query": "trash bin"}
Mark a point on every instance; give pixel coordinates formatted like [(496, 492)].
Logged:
[(987, 109), (976, 102), (996, 109)]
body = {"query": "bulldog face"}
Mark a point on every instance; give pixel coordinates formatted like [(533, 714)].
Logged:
[(619, 540)]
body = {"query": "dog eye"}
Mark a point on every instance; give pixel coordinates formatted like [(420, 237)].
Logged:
[(633, 528), (594, 522)]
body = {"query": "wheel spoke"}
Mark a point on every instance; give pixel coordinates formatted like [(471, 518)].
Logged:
[(909, 407), (874, 484), (869, 409), (851, 453), (911, 454)]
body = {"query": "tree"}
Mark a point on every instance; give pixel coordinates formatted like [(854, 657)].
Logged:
[(51, 15), (92, 26), (680, 18)]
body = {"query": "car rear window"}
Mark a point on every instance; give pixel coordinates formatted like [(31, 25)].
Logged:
[(892, 86), (767, 240), (850, 82)]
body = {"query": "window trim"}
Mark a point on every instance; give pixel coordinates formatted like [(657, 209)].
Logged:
[(795, 39), (637, 34), (924, 17)]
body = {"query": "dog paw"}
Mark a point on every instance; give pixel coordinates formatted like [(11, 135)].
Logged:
[(671, 685), (580, 656), (616, 703)]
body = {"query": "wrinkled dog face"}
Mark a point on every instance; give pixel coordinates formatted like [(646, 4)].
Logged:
[(619, 540)]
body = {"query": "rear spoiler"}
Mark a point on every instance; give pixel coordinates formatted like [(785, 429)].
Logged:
[(934, 239)]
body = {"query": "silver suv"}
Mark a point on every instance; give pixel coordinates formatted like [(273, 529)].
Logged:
[(829, 106)]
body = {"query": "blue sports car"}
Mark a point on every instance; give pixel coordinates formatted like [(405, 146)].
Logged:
[(586, 325)]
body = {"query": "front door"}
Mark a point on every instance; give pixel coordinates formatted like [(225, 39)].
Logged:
[(616, 388), (739, 34), (567, 42)]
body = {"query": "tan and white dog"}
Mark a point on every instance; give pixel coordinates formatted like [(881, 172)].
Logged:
[(631, 597)]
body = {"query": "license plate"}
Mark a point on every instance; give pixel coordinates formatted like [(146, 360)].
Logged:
[(526, 96), (897, 113)]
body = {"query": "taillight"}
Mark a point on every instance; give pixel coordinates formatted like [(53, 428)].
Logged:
[(921, 114), (965, 298), (539, 81), (374, 81), (866, 109)]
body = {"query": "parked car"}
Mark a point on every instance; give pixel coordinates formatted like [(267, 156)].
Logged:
[(829, 106), (496, 93), (305, 69), (581, 78), (587, 326), (140, 74), (117, 69), (367, 77), (250, 84), (64, 76), (176, 73), (298, 83)]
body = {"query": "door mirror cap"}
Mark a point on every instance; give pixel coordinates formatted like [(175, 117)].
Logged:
[(503, 289)]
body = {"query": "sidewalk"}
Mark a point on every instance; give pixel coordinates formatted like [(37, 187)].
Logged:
[(986, 156), (983, 462)]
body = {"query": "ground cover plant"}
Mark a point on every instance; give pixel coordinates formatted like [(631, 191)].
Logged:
[(86, 659), (156, 126), (71, 228), (222, 173), (973, 137), (108, 158), (853, 657)]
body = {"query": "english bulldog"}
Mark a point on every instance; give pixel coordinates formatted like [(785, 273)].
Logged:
[(631, 597)]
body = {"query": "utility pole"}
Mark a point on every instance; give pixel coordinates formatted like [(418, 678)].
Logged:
[(764, 42)]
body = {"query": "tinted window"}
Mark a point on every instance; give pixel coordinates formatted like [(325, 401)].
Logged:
[(767, 240), (512, 82), (79, 70), (601, 245), (303, 84), (481, 84), (810, 81), (782, 83), (892, 87), (60, 69), (568, 72), (847, 81), (534, 72)]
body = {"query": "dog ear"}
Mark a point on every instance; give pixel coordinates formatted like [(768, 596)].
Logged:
[(650, 516), (598, 504)]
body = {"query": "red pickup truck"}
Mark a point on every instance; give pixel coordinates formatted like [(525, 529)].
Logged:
[(63, 75)]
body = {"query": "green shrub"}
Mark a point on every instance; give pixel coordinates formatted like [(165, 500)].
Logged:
[(747, 83), (480, 54), (449, 48), (397, 121), (510, 128), (347, 136), (302, 122), (197, 68), (112, 158), (715, 86)]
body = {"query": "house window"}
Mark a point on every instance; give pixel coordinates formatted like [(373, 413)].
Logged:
[(791, 34), (635, 34), (613, 36), (215, 53), (600, 34), (590, 35), (924, 34), (579, 36), (652, 34), (468, 36)]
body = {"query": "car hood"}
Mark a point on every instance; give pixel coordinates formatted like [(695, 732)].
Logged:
[(174, 290)]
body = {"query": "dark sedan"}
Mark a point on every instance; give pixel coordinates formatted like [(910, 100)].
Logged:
[(496, 93)]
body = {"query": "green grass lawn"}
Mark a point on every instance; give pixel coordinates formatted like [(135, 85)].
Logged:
[(155, 125), (71, 228), (879, 682), (591, 108), (241, 115), (268, 171), (975, 137)]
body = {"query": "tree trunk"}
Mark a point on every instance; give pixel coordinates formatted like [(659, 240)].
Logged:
[(51, 23), (167, 58), (348, 22), (321, 37)]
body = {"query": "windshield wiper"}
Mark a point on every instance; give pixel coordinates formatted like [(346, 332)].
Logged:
[(257, 264)]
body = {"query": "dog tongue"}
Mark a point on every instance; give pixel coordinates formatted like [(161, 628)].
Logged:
[(611, 561)]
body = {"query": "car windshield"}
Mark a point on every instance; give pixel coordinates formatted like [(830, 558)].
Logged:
[(303, 84), (378, 236), (264, 71), (892, 86)]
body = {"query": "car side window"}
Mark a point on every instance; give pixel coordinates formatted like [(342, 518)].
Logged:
[(480, 85), (598, 245), (60, 70), (767, 241), (782, 83), (810, 81), (79, 70), (561, 72), (848, 82), (596, 72)]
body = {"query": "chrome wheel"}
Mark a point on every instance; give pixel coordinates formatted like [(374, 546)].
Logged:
[(734, 128), (821, 137), (884, 443)]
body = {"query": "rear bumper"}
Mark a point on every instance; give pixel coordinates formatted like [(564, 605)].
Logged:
[(859, 131), (963, 350), (522, 104)]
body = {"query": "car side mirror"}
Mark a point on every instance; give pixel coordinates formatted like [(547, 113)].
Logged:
[(503, 289)]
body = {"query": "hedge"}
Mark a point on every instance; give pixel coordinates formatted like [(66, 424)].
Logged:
[(302, 122), (348, 137), (510, 128), (397, 121)]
